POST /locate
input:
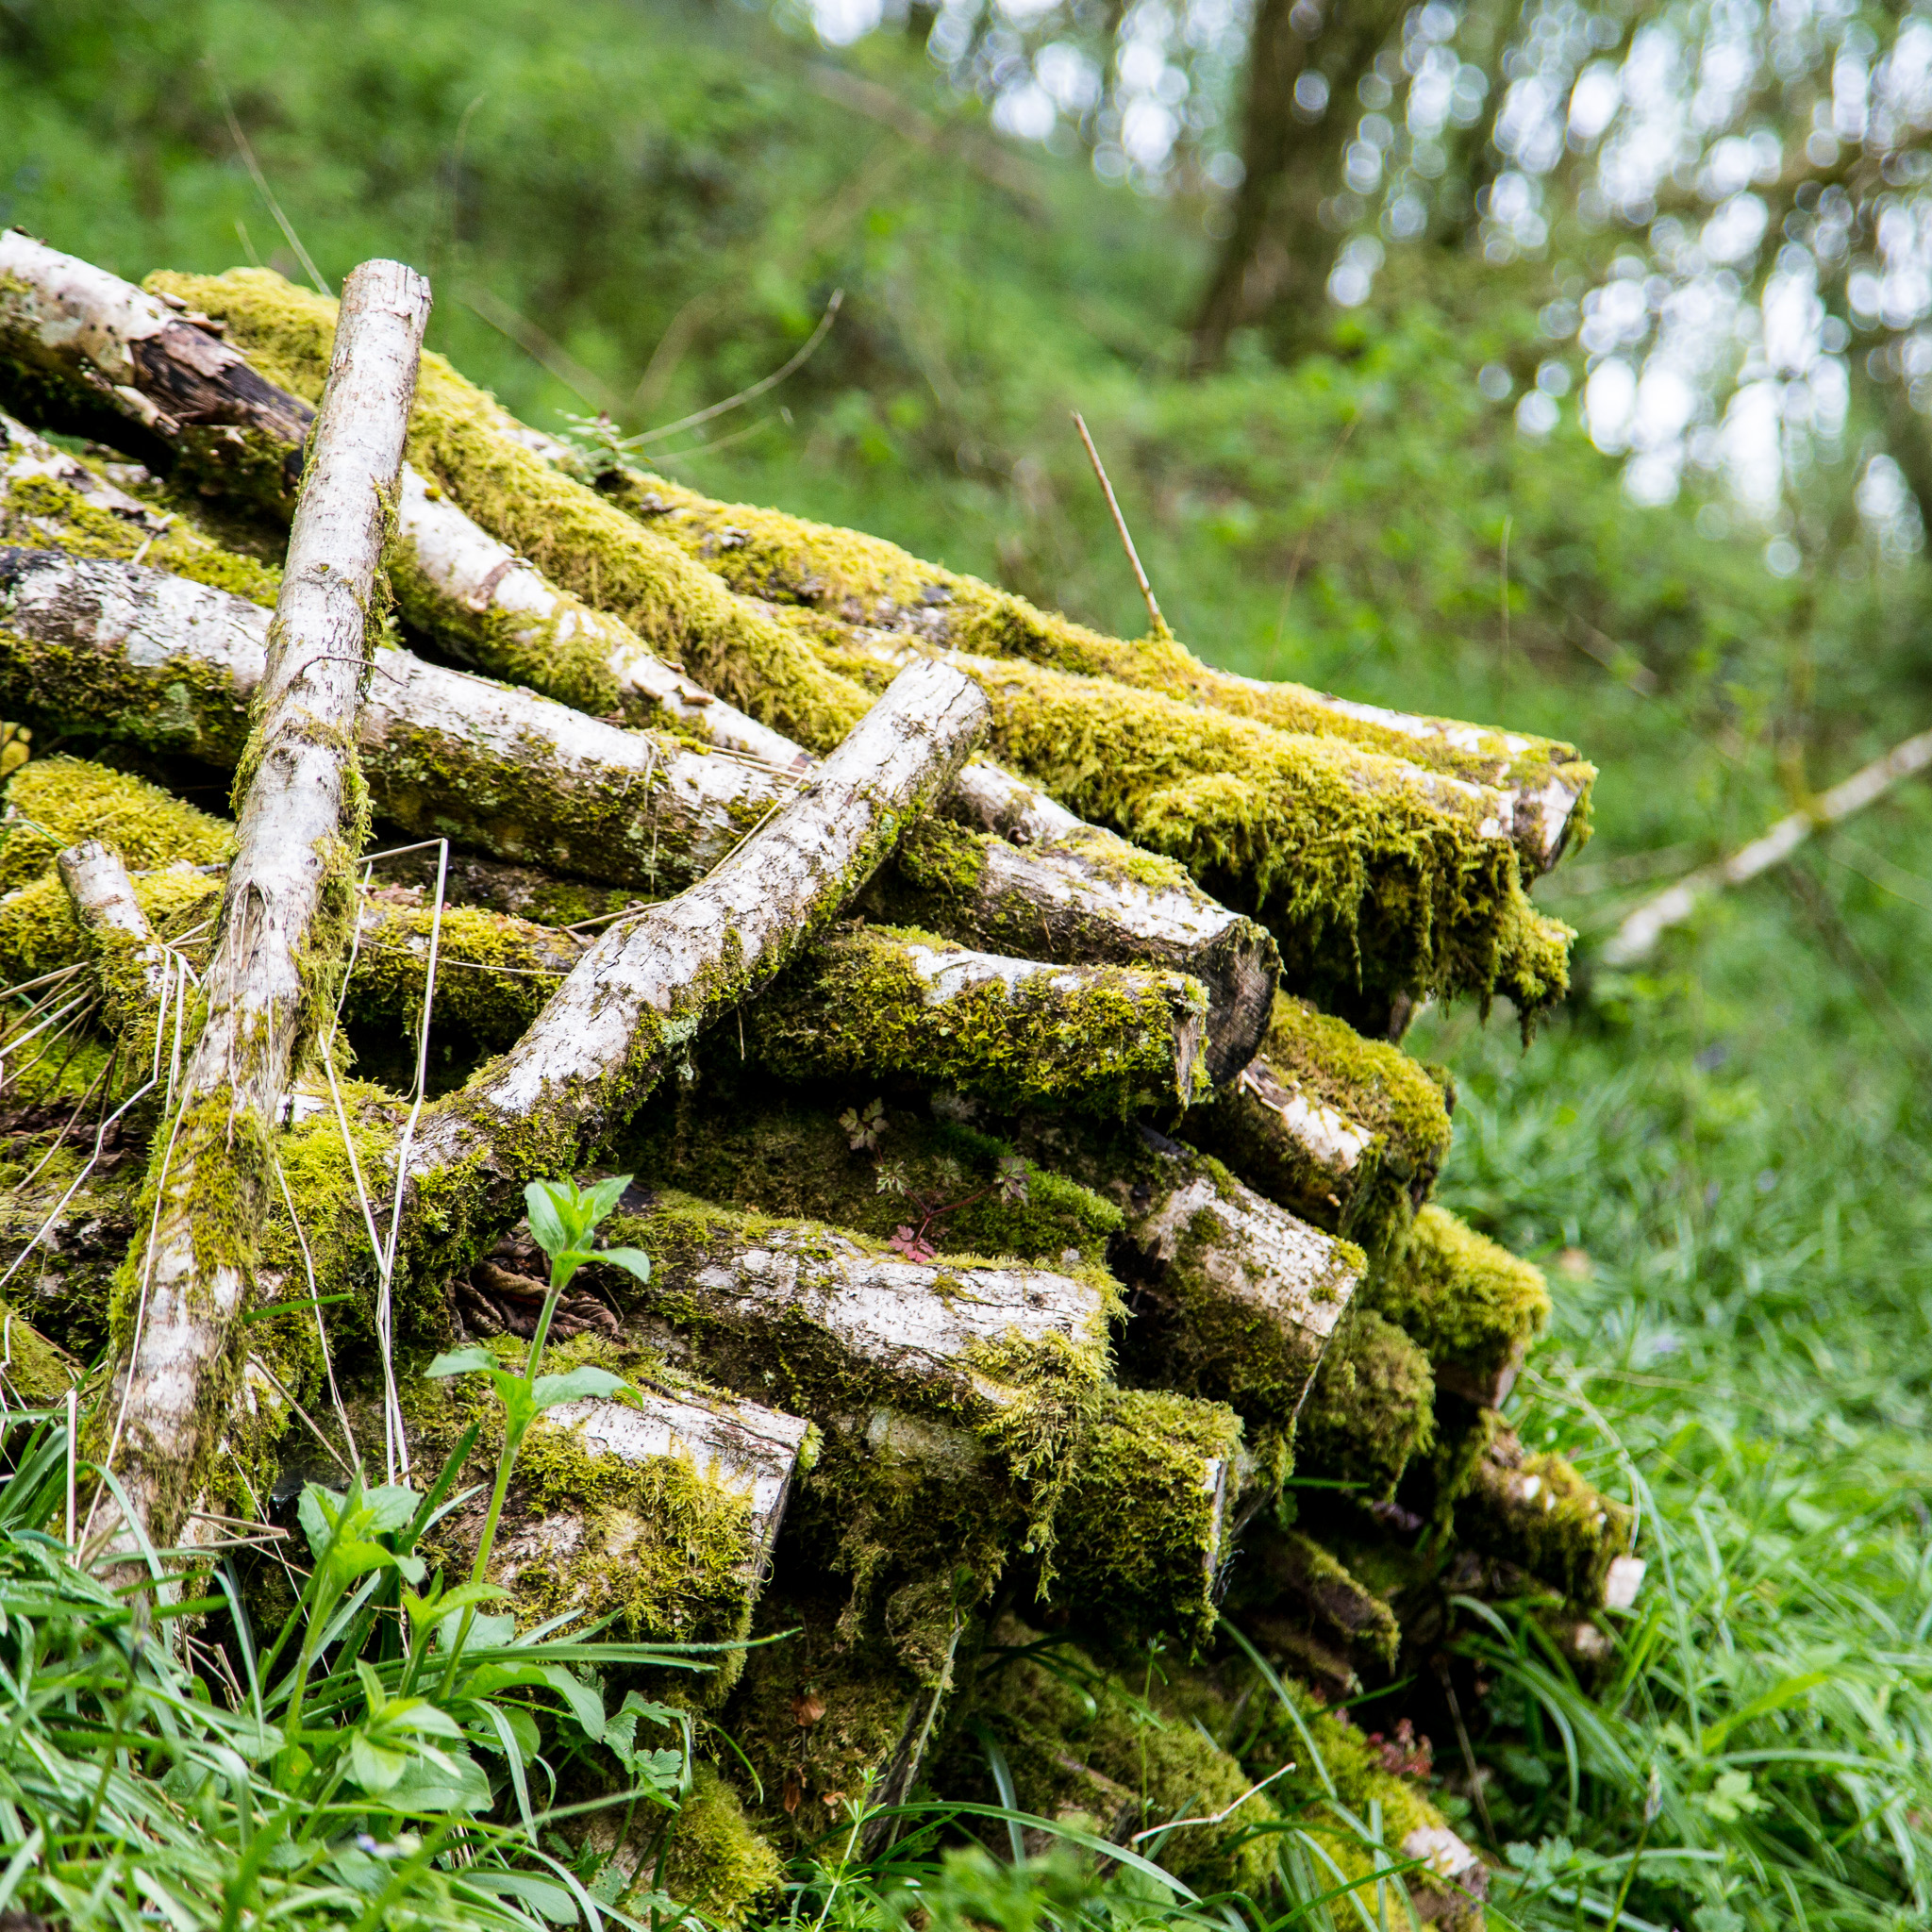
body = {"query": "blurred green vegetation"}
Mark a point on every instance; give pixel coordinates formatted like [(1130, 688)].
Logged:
[(1723, 1157)]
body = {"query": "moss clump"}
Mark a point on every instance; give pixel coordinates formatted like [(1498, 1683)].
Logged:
[(465, 444), (841, 1709), (715, 1860), (1376, 879), (1077, 1738), (1147, 1511), (1371, 1410), (864, 580), (1541, 1514), (1345, 1131), (42, 512), (726, 1137), (1472, 1305), (880, 1000), (494, 971), (54, 802), (33, 1370)]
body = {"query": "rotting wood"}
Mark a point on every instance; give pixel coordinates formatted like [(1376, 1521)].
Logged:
[(280, 929)]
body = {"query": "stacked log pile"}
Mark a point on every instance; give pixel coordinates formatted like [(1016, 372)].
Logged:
[(1001, 1023)]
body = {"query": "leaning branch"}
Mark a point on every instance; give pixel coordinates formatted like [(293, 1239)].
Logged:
[(281, 928), (1636, 939)]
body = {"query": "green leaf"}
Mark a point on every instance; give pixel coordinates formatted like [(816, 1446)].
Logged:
[(546, 1208), (553, 1901), (463, 1361), (318, 1511), (421, 1611), (391, 1507), (603, 1198), (587, 1380), (632, 1260), (458, 1784), (375, 1766)]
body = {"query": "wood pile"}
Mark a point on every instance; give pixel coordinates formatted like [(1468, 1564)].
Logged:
[(1000, 1021)]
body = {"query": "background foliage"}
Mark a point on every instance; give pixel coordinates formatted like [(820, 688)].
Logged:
[(637, 207)]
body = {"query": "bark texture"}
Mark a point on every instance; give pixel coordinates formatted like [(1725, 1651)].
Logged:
[(281, 928)]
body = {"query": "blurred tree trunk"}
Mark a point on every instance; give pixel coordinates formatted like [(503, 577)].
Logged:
[(1274, 263)]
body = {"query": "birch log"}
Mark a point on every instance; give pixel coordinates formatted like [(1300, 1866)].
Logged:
[(282, 925), (97, 340), (646, 989), (878, 1001), (121, 648), (134, 970)]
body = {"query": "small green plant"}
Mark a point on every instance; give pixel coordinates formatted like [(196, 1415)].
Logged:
[(563, 1218)]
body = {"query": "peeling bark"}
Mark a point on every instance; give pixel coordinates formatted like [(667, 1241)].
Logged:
[(279, 930), (92, 336)]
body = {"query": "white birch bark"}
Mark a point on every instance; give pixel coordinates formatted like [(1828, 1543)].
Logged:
[(135, 969), (209, 1179), (26, 457), (174, 664), (650, 985)]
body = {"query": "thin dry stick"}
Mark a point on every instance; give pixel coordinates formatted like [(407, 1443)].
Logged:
[(1158, 623), (1640, 932)]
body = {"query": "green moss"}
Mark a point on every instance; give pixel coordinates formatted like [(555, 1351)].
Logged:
[(726, 1137), (1541, 1514), (1384, 1098), (839, 1707), (1471, 1305), (1152, 1497), (494, 972), (865, 580), (1059, 1725), (33, 1371), (41, 513), (992, 1430), (1104, 1039), (460, 439), (58, 802), (1371, 1408), (1373, 879), (715, 1860)]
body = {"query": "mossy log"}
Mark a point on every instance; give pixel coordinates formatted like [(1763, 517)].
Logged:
[(1301, 1603), (141, 655), (49, 498), (464, 444), (1430, 898), (1150, 1515), (119, 648), (1472, 1305), (98, 353), (1537, 1513), (879, 1001), (1347, 1132), (134, 970), (1421, 894), (34, 1372), (90, 343), (865, 581), (1233, 1299), (1050, 887), (826, 1324), (1371, 1410), (281, 930)]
